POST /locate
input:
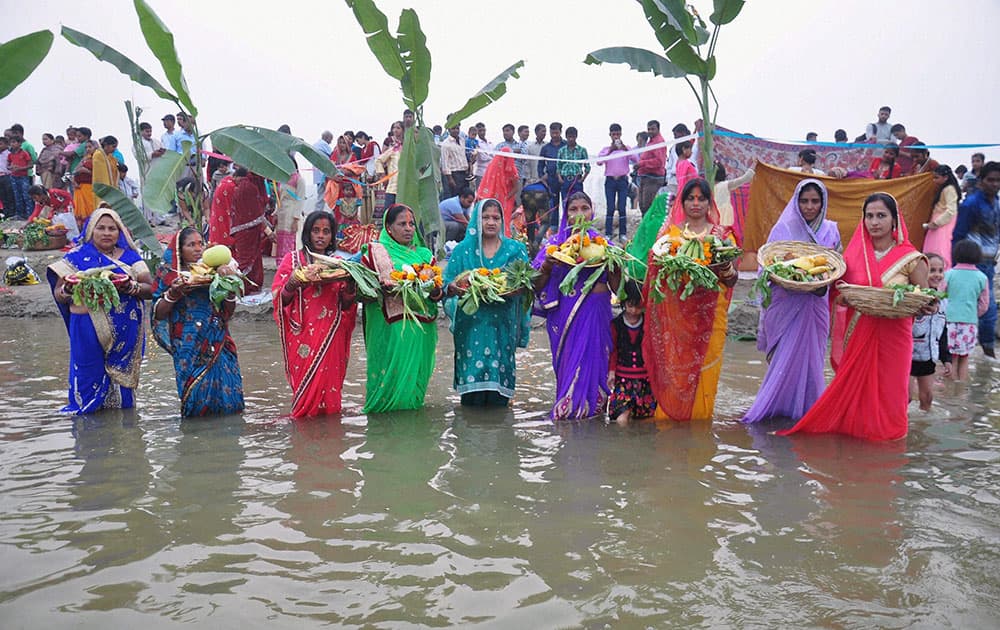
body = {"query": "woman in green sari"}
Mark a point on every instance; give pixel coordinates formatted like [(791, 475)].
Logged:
[(400, 351), (486, 340)]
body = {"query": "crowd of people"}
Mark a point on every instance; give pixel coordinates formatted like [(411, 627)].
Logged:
[(660, 358)]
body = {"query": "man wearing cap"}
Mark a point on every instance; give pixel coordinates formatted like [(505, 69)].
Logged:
[(169, 138)]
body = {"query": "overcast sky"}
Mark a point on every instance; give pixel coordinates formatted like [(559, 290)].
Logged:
[(785, 67)]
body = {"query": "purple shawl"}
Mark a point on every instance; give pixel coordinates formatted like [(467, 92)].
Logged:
[(579, 328), (793, 330)]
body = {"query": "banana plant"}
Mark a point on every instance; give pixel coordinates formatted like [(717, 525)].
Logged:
[(406, 58), (19, 57), (684, 35), (262, 151)]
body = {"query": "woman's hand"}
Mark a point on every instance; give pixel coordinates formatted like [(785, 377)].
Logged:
[(930, 309), (436, 295), (456, 289)]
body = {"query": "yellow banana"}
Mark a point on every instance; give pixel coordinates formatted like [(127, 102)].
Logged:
[(815, 271)]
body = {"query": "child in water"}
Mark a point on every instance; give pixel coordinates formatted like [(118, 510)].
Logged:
[(968, 299), (631, 395), (930, 343)]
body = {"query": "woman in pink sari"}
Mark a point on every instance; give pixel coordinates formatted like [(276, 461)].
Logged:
[(942, 222), (868, 396), (315, 322)]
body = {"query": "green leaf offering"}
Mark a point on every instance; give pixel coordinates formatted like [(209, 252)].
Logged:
[(899, 291), (224, 286), (95, 290)]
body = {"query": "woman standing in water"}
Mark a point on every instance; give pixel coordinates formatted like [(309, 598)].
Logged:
[(794, 329)]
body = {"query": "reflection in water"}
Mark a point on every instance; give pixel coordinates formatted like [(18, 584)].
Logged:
[(452, 517)]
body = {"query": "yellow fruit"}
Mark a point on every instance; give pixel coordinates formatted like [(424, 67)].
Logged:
[(593, 250), (815, 271), (216, 256)]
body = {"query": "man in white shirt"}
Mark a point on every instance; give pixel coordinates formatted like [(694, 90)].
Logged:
[(880, 132), (169, 138), (482, 158), (151, 147), (319, 177), (534, 148)]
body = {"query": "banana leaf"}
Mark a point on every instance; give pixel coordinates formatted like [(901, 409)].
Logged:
[(676, 13), (419, 182), (131, 216), (678, 44), (287, 143), (250, 148), (725, 11), (20, 56), (490, 93), (125, 65), (161, 42), (376, 27), (160, 187), (637, 59), (416, 58)]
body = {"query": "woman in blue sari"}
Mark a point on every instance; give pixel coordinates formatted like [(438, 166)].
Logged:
[(486, 341), (105, 349), (579, 324), (196, 334)]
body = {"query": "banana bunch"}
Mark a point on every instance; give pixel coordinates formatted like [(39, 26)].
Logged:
[(813, 265)]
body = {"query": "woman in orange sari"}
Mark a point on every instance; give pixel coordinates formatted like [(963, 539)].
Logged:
[(683, 340), (315, 322), (868, 395)]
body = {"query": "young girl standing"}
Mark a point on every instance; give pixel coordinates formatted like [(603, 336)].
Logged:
[(930, 343), (968, 299), (631, 395)]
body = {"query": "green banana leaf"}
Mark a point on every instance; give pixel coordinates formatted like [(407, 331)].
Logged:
[(376, 27), (125, 65), (161, 42), (161, 182), (131, 216), (638, 59), (416, 58), (287, 143), (678, 17), (490, 93), (725, 11), (419, 182), (20, 56), (678, 48), (249, 148)]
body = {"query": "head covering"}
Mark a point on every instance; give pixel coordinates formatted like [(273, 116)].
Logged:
[(862, 265), (400, 253), (677, 216), (498, 183), (125, 241), (792, 226), (473, 241)]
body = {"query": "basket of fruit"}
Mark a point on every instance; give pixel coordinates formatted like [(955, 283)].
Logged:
[(893, 301), (799, 266)]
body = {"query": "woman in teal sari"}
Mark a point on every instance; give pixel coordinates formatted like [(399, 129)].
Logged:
[(486, 341), (400, 351)]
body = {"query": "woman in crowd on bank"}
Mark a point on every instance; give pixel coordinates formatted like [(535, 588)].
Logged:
[(684, 339), (579, 324), (195, 332), (55, 205), (84, 202), (400, 351), (315, 322), (291, 199), (869, 393), (50, 164), (939, 228), (106, 348), (793, 330), (486, 341), (388, 162)]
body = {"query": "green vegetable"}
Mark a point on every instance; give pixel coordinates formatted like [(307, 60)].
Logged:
[(521, 277), (482, 290), (95, 290), (364, 278), (34, 235), (762, 285), (224, 286), (899, 291)]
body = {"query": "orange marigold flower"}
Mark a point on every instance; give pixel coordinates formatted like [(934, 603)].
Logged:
[(600, 240), (411, 276), (496, 271), (551, 249), (586, 241), (483, 271)]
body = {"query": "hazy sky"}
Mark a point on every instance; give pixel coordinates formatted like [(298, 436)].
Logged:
[(785, 67)]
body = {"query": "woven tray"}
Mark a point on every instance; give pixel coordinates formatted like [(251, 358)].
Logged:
[(877, 301), (775, 252)]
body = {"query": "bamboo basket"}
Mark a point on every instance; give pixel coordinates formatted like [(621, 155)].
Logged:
[(776, 250), (877, 301)]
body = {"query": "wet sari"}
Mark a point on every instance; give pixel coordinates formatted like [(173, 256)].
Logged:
[(684, 339), (794, 329), (579, 329), (315, 329), (487, 340), (400, 352), (869, 394), (105, 349), (196, 335)]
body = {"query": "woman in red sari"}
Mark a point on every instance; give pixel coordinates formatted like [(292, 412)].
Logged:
[(868, 395), (315, 322)]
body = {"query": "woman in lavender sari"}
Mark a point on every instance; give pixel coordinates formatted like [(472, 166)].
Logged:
[(794, 329), (579, 324)]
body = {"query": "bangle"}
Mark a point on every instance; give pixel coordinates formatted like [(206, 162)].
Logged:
[(231, 298), (166, 298)]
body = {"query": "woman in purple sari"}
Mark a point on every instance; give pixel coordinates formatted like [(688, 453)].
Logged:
[(794, 329), (579, 325)]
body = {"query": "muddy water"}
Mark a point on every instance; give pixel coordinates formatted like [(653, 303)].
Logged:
[(447, 517)]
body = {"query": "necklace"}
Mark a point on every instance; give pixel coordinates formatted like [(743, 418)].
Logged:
[(879, 254)]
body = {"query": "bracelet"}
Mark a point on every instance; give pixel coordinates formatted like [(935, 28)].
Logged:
[(166, 298), (231, 298)]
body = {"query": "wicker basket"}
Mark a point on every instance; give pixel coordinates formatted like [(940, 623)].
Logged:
[(55, 242), (877, 301), (775, 252)]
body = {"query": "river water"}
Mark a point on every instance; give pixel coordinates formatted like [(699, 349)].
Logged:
[(450, 517)]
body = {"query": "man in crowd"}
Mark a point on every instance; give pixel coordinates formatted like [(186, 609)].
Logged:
[(151, 147), (880, 131), (535, 148), (971, 177), (548, 170), (572, 174), (454, 164), (18, 130), (19, 164), (979, 220), (807, 163), (6, 183), (922, 162), (319, 177), (652, 169), (455, 214), (169, 137), (481, 157), (616, 184), (517, 146), (905, 140)]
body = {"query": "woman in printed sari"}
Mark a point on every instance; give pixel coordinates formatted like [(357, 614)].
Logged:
[(793, 330), (579, 324), (315, 322), (869, 393), (196, 334), (487, 340), (291, 198), (683, 340), (105, 349), (400, 351)]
